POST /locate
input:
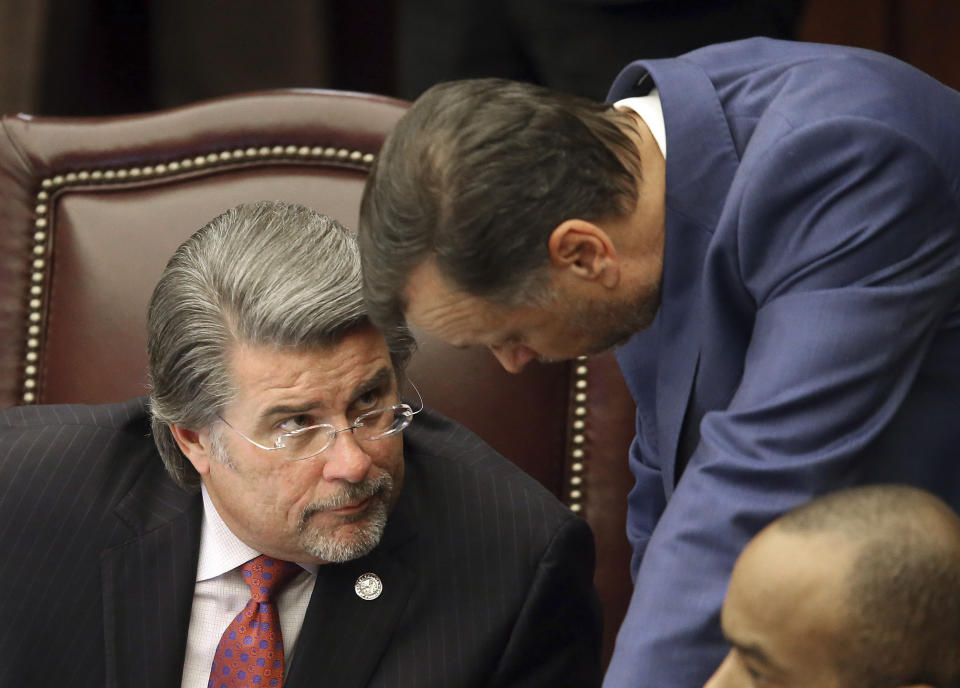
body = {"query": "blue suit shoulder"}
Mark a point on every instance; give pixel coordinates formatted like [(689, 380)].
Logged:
[(812, 80)]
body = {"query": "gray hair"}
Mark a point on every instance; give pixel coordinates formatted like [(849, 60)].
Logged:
[(267, 273)]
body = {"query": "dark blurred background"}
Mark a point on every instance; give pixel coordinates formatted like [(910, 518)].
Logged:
[(99, 57)]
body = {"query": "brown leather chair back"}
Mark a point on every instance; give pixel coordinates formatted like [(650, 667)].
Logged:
[(91, 209)]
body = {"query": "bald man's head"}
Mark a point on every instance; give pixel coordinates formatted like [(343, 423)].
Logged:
[(857, 588)]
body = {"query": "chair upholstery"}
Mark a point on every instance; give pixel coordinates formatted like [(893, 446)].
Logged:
[(92, 208)]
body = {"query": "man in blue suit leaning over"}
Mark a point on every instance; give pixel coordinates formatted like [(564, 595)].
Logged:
[(768, 231)]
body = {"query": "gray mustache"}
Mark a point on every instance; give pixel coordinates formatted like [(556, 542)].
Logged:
[(352, 492)]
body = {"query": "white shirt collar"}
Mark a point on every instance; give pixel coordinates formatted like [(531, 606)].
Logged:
[(220, 550), (649, 108)]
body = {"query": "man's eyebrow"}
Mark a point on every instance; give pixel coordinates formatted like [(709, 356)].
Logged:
[(753, 651), (378, 379), (290, 409), (382, 377)]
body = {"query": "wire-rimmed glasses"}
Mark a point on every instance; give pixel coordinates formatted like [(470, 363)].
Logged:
[(305, 443)]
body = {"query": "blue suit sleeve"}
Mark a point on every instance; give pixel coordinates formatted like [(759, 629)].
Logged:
[(851, 258), (646, 500)]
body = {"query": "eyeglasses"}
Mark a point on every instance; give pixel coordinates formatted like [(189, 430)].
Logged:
[(305, 443)]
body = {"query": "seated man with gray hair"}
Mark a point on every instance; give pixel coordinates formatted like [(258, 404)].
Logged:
[(856, 589), (291, 521)]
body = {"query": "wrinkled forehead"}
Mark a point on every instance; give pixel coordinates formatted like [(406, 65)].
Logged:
[(259, 370)]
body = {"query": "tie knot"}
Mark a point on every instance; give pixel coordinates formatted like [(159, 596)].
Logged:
[(266, 575)]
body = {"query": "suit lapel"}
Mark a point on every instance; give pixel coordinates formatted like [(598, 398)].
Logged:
[(679, 344), (698, 179), (344, 636), (148, 584)]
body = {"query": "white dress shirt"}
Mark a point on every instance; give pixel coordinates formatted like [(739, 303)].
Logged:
[(220, 593), (649, 108)]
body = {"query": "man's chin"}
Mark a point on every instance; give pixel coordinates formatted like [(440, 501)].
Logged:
[(608, 326), (592, 347), (339, 537), (611, 342)]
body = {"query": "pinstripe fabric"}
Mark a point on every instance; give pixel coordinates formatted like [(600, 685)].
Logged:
[(486, 577), (107, 541)]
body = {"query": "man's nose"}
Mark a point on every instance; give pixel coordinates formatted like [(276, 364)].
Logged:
[(346, 459), (513, 357), (725, 675)]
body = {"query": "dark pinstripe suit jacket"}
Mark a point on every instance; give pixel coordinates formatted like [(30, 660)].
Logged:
[(487, 578)]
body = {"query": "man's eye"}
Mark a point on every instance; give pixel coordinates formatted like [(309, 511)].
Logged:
[(367, 400), (298, 422), (758, 678)]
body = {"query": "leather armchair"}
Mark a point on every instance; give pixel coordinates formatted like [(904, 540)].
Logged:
[(92, 208)]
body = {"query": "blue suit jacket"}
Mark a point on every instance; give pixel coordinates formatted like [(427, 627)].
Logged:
[(809, 335)]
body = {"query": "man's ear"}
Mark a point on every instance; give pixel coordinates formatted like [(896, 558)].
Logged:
[(586, 250), (195, 445)]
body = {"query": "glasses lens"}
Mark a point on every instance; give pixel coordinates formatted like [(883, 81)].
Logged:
[(305, 443), (308, 442), (382, 423)]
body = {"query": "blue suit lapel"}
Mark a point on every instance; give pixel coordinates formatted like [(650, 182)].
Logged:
[(679, 344), (698, 177)]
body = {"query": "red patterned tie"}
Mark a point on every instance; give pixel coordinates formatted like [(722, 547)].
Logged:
[(250, 652)]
